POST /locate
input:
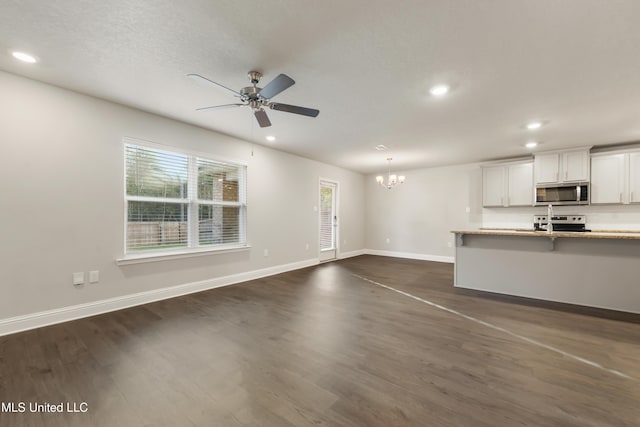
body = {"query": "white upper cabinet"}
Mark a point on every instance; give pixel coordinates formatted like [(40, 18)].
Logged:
[(634, 177), (493, 186), (615, 177), (507, 185), (547, 168), (562, 166), (520, 185), (607, 178), (575, 166)]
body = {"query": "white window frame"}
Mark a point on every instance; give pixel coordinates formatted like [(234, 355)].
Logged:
[(194, 248)]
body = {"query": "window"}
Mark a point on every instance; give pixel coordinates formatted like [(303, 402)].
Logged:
[(177, 201)]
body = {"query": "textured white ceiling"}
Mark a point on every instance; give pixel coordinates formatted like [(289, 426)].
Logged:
[(366, 65)]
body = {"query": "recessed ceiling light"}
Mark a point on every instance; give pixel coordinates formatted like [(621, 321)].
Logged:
[(439, 90), (24, 57), (271, 138), (534, 125), (531, 144), (381, 147)]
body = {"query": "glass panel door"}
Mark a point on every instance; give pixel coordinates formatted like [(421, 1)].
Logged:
[(328, 220)]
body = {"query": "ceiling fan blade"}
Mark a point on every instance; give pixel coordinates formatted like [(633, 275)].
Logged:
[(294, 109), (219, 107), (201, 79), (262, 118), (276, 86)]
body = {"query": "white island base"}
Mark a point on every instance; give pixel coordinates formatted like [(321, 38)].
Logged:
[(589, 269)]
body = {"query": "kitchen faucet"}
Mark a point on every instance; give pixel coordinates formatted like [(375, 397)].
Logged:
[(549, 225)]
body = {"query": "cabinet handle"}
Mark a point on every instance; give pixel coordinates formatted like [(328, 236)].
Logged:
[(557, 176), (566, 175), (620, 197), (502, 201)]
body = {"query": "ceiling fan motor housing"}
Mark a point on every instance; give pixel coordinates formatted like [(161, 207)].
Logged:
[(250, 92), (254, 76)]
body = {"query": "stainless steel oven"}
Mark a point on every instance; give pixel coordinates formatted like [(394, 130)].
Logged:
[(563, 194), (561, 223)]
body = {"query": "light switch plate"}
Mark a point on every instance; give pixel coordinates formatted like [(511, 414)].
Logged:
[(78, 278), (94, 276)]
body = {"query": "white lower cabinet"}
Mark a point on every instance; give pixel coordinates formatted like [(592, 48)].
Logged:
[(507, 185)]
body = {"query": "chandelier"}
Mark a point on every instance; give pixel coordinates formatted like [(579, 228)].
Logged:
[(392, 180)]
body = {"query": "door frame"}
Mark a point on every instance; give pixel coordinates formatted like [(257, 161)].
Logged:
[(337, 214)]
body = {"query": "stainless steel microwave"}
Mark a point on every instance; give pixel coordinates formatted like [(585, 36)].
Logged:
[(563, 194)]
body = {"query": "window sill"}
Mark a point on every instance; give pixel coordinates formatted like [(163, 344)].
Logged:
[(171, 255)]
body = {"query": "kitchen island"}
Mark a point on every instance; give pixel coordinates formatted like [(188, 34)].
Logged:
[(595, 269)]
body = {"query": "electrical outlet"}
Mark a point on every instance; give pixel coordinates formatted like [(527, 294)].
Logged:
[(94, 276), (388, 240), (468, 209), (78, 278), (266, 252), (306, 247)]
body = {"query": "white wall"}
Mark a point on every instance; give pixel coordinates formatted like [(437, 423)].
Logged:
[(418, 215), (62, 200)]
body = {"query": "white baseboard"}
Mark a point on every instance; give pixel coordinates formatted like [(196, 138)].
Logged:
[(409, 255), (351, 254), (65, 314)]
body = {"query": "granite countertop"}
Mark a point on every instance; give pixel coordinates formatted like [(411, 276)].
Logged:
[(596, 234)]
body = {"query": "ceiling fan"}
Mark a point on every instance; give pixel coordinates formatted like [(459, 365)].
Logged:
[(259, 98)]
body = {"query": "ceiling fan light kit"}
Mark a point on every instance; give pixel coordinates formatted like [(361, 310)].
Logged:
[(392, 180), (259, 98)]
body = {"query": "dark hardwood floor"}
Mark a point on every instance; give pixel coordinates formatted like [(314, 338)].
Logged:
[(323, 347)]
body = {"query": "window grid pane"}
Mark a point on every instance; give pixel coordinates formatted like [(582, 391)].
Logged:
[(157, 225), (218, 224), (218, 181), (155, 173)]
